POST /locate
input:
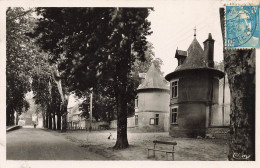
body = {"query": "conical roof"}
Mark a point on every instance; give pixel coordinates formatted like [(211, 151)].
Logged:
[(195, 57), (194, 62), (153, 80)]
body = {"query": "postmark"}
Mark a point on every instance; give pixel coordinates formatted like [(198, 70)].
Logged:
[(242, 27)]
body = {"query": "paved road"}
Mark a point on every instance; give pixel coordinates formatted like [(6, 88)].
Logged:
[(37, 144)]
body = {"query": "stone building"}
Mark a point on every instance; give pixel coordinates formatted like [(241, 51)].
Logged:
[(194, 86), (152, 103)]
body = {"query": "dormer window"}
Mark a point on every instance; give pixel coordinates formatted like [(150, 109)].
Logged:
[(181, 56)]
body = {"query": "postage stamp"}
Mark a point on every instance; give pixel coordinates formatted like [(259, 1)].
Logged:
[(242, 27)]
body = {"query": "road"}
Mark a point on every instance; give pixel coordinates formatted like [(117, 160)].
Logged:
[(38, 144)]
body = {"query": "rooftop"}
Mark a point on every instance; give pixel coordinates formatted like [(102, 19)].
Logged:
[(195, 60), (153, 80), (181, 52)]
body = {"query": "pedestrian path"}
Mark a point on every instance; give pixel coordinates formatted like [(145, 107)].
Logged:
[(37, 144)]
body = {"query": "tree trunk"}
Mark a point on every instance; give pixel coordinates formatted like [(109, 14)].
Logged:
[(8, 118), (56, 77), (12, 119), (16, 119), (54, 121), (121, 141), (64, 116), (46, 121), (120, 91), (58, 121), (43, 119), (240, 69), (50, 118)]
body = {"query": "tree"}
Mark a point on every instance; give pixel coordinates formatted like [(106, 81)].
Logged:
[(27, 68), (41, 77), (96, 46), (240, 68), (19, 52), (104, 99)]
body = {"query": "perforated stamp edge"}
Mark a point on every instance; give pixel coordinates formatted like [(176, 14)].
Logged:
[(238, 3)]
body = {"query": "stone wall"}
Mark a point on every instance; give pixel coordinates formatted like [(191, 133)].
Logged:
[(130, 123), (218, 132)]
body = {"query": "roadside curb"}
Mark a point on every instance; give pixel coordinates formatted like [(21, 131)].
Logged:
[(13, 128)]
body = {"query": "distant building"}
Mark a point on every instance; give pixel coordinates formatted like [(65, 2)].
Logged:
[(152, 102), (74, 118), (30, 116), (194, 98)]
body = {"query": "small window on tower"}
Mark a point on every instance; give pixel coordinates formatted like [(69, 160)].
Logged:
[(136, 101), (174, 115), (151, 121), (156, 119), (136, 119), (175, 89)]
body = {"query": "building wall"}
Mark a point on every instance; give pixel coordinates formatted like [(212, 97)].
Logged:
[(130, 123), (217, 115), (219, 132), (150, 103), (190, 122), (197, 88), (153, 100), (28, 121), (194, 96), (219, 121), (144, 121)]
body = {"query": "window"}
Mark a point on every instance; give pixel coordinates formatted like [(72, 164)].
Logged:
[(136, 102), (151, 121), (174, 115), (136, 119), (156, 119), (175, 89)]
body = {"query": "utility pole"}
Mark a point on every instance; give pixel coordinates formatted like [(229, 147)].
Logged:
[(223, 106), (90, 110)]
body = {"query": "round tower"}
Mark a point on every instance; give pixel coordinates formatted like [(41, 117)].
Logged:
[(194, 89), (152, 102)]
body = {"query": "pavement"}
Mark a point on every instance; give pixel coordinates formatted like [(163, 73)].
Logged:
[(38, 144), (13, 128)]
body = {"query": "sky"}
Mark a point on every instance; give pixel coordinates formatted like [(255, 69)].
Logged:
[(173, 23)]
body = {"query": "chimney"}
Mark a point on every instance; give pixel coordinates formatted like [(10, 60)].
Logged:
[(142, 77), (209, 51)]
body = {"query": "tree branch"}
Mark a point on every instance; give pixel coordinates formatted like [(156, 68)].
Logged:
[(22, 14)]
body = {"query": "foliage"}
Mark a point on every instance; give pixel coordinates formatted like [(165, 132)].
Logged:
[(19, 53), (96, 47), (26, 67), (219, 65), (104, 100)]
